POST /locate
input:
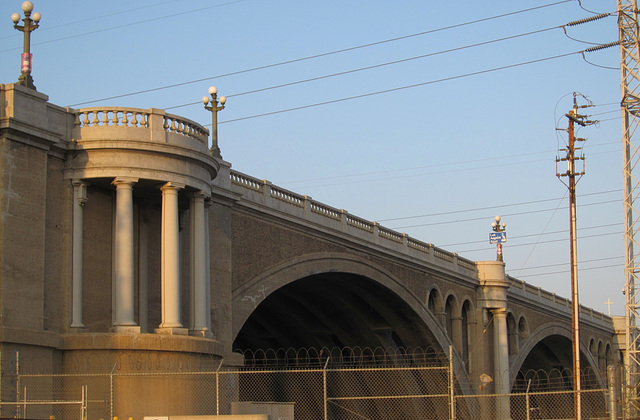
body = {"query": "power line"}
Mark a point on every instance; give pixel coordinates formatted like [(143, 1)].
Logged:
[(388, 178), (550, 241), (475, 219), (310, 57), (88, 19), (388, 63), (127, 25), (581, 262), (566, 271), (380, 92), (493, 207), (511, 238)]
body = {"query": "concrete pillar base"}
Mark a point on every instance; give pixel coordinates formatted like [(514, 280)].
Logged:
[(130, 329), (172, 331), (201, 333), (78, 330)]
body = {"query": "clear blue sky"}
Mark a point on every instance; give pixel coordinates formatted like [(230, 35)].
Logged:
[(434, 146)]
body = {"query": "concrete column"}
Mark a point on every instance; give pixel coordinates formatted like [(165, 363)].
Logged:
[(501, 362), (495, 285), (199, 269), (143, 273), (207, 206), (170, 261), (79, 200), (124, 257)]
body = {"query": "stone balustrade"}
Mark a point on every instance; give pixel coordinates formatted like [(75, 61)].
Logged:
[(149, 119), (559, 303), (314, 212)]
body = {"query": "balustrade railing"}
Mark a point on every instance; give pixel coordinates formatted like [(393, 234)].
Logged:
[(111, 117), (313, 210), (544, 296), (139, 118)]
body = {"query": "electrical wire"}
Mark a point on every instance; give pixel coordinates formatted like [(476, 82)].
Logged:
[(579, 262), (387, 178), (555, 232), (567, 271), (325, 54), (375, 66), (380, 92), (585, 9), (475, 219), (550, 241), (523, 203), (89, 19), (126, 25)]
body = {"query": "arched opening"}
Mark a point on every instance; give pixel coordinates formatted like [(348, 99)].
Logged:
[(345, 311), (466, 331), (334, 310), (602, 363), (608, 356), (549, 366), (449, 316), (434, 303)]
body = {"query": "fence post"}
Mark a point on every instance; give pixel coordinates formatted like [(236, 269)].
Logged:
[(528, 403), (17, 383), (218, 387), (85, 398), (111, 390), (452, 401), (324, 383)]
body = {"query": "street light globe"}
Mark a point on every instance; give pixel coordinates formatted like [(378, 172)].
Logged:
[(205, 100), (493, 224), (497, 219), (504, 225), (213, 90), (15, 17), (37, 17), (223, 99), (27, 7)]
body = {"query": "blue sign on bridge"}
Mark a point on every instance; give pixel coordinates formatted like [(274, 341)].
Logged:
[(497, 237)]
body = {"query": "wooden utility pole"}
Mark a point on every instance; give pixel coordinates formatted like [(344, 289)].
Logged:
[(573, 176)]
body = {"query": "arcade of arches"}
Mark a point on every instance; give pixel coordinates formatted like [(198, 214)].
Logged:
[(340, 310)]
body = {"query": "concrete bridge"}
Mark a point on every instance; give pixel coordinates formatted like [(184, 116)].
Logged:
[(122, 234)]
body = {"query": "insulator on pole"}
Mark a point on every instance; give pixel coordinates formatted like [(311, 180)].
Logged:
[(603, 46), (589, 19)]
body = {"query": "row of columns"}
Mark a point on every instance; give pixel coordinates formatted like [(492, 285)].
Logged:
[(123, 307)]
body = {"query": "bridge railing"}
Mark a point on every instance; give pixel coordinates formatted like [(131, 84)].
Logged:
[(559, 303), (121, 123), (325, 217)]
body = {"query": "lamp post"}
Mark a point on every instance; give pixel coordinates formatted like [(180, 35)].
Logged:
[(216, 105), (29, 26), (499, 237)]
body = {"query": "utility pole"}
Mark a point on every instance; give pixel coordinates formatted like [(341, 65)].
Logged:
[(573, 176)]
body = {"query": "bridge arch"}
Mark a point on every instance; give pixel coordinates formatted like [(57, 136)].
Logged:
[(320, 285), (523, 327), (556, 338), (435, 303), (452, 316)]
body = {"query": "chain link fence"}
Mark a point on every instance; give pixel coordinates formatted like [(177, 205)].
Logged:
[(317, 386)]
